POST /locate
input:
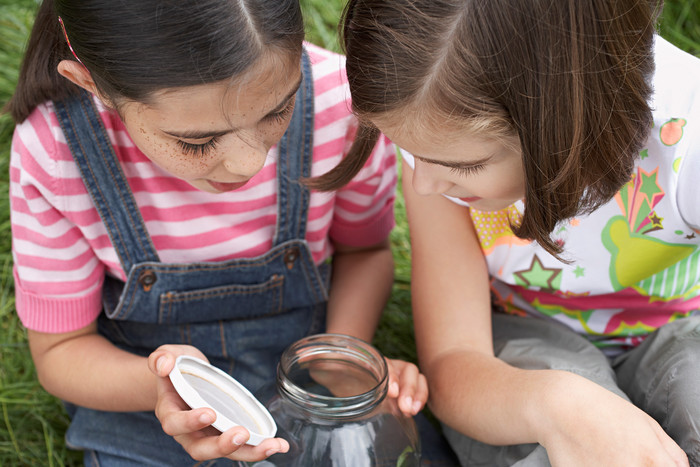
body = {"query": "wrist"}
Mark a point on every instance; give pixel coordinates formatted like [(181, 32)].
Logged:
[(549, 411)]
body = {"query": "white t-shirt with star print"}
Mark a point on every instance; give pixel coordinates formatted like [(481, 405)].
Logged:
[(635, 261)]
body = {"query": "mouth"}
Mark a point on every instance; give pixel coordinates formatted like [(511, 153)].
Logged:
[(223, 187)]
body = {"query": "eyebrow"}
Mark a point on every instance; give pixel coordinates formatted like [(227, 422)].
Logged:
[(201, 134), (458, 164)]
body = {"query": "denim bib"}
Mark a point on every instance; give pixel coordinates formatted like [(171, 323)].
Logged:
[(240, 313)]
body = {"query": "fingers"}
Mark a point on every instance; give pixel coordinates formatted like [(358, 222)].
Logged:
[(265, 449), (162, 360), (177, 419), (408, 385), (230, 444), (680, 458), (191, 428)]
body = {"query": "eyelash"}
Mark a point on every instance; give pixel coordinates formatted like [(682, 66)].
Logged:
[(198, 149), (465, 171), (204, 148), (282, 114)]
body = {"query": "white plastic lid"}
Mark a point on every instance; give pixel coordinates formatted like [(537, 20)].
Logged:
[(203, 385)]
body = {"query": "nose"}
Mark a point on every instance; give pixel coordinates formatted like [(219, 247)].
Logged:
[(427, 180), (246, 158)]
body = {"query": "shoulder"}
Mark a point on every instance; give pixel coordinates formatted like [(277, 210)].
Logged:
[(39, 146), (676, 102), (334, 121), (676, 132), (666, 54), (325, 61), (676, 82), (38, 137), (328, 68)]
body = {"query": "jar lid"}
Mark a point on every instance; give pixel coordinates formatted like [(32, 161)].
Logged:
[(203, 385)]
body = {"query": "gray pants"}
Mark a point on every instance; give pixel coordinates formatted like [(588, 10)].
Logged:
[(661, 376)]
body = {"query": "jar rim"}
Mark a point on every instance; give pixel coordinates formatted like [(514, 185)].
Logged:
[(342, 348)]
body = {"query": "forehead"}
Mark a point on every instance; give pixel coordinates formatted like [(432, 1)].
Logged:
[(446, 144), (251, 94)]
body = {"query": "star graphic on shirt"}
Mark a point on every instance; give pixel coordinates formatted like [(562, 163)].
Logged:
[(579, 271), (649, 186), (644, 154), (539, 276), (656, 220)]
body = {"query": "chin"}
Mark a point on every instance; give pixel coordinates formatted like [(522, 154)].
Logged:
[(492, 206), (204, 187)]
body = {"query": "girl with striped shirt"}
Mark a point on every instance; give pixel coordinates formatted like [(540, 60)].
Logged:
[(160, 198)]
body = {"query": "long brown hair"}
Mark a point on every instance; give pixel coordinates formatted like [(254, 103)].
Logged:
[(133, 48), (570, 78)]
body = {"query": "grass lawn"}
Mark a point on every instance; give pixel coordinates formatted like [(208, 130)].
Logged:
[(33, 422)]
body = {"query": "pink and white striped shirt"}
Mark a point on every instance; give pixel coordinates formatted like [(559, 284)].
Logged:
[(62, 251)]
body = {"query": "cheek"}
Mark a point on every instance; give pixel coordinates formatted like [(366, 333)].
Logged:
[(272, 134), (517, 181), (168, 156)]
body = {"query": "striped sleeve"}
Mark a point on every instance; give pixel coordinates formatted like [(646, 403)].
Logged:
[(55, 267), (364, 210)]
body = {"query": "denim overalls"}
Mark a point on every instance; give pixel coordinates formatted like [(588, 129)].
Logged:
[(240, 313)]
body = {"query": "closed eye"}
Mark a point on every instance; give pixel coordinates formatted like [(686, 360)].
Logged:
[(281, 115), (202, 149), (468, 170)]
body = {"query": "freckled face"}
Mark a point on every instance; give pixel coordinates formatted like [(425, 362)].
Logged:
[(487, 173), (216, 136)]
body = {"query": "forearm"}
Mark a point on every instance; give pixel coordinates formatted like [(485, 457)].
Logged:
[(90, 371), (487, 399), (360, 288), (470, 389)]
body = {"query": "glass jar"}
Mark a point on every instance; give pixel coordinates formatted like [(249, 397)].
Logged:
[(330, 403)]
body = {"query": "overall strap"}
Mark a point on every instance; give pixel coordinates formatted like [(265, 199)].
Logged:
[(104, 179), (295, 151)]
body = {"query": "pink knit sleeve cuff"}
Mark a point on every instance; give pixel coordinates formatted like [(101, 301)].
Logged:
[(56, 314)]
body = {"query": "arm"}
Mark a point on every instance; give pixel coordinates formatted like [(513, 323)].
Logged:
[(84, 368), (452, 320), (481, 396), (360, 288)]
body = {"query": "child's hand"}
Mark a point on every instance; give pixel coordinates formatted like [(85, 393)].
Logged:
[(191, 428), (593, 426), (408, 385)]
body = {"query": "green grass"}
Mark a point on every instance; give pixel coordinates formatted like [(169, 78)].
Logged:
[(33, 423)]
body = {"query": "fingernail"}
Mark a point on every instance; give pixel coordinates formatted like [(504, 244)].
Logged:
[(206, 418), (416, 407), (394, 388), (239, 439), (408, 402), (270, 452), (159, 363)]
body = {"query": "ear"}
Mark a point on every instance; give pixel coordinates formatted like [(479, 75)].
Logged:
[(77, 74)]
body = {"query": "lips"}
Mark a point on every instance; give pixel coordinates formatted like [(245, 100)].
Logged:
[(222, 187)]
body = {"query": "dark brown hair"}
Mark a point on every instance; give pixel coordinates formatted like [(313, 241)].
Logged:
[(570, 78), (133, 48)]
